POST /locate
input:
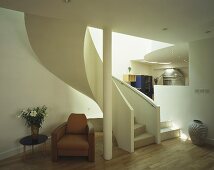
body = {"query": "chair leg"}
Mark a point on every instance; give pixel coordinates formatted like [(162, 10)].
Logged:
[(91, 154), (54, 157), (91, 157)]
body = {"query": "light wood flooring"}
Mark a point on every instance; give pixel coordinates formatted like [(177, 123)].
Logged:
[(170, 155)]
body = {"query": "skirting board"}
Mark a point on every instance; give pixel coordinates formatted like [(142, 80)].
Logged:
[(15, 151), (210, 141), (11, 152)]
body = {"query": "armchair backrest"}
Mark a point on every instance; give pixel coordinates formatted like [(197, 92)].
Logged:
[(76, 124)]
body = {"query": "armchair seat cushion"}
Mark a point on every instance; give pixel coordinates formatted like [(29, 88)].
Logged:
[(74, 142)]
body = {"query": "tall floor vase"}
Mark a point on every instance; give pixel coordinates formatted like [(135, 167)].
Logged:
[(198, 132)]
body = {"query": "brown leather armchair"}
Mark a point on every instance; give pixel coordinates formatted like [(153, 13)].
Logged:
[(74, 138)]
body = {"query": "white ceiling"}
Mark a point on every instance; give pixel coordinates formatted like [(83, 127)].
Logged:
[(185, 20)]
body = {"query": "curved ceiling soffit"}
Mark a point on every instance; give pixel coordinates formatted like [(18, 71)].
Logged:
[(173, 54), (59, 45)]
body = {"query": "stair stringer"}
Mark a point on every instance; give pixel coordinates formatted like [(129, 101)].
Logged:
[(94, 69)]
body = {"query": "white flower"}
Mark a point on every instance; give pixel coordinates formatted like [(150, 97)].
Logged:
[(22, 112), (33, 113)]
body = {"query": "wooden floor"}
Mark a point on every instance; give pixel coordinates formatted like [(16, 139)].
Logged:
[(170, 155)]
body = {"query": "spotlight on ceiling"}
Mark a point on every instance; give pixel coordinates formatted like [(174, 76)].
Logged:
[(208, 31), (164, 29)]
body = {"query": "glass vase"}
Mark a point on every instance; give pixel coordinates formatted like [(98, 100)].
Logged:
[(34, 131)]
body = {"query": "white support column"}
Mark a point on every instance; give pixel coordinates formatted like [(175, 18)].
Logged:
[(107, 93)]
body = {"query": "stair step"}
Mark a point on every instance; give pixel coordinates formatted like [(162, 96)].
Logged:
[(165, 124), (169, 133), (139, 129), (143, 140)]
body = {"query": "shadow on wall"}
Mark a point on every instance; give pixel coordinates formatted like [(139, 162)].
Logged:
[(26, 83)]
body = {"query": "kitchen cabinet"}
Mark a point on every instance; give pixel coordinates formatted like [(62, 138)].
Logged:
[(129, 78)]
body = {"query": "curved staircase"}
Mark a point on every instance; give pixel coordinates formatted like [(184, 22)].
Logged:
[(66, 49)]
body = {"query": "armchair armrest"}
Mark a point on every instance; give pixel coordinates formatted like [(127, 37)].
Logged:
[(59, 131), (90, 128), (91, 141), (55, 137)]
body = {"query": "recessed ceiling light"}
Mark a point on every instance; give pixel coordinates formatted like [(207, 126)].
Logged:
[(164, 29), (67, 1), (154, 62), (208, 31)]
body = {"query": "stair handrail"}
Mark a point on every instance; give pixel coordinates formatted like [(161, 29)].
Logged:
[(149, 100)]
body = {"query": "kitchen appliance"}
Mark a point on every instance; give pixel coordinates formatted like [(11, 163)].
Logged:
[(173, 77)]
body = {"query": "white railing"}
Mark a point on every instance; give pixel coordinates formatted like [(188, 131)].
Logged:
[(145, 110), (137, 91), (123, 120)]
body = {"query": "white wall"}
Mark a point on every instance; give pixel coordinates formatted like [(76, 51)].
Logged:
[(140, 68), (24, 82), (184, 104), (201, 77), (174, 104)]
